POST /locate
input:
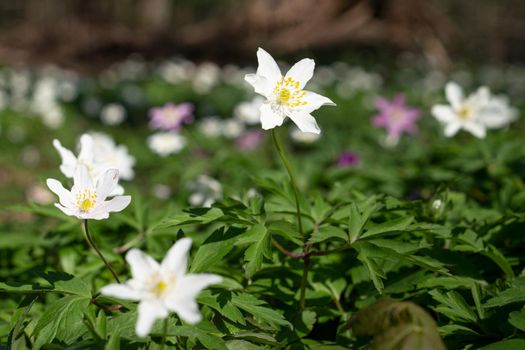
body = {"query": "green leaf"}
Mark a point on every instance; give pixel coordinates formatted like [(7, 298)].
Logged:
[(453, 306), (214, 248), (511, 344), (500, 260), (61, 320), (328, 232), (258, 309), (515, 293), (222, 303), (261, 247), (114, 341), (399, 224), (359, 215), (517, 319), (375, 272), (193, 216)]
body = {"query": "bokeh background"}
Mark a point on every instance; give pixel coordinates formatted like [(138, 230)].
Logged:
[(89, 35)]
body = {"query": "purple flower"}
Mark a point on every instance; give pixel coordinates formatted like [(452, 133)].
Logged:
[(348, 159), (250, 140), (170, 117), (396, 117)]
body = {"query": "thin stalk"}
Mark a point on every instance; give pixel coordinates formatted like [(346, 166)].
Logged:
[(288, 167), (92, 244), (304, 280), (164, 334)]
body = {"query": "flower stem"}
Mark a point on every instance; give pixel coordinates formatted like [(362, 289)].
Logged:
[(304, 280), (92, 244), (288, 167), (305, 254), (164, 334)]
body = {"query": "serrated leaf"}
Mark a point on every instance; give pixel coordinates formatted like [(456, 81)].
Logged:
[(359, 215), (193, 216), (453, 306), (328, 232), (256, 251), (214, 248), (399, 224), (61, 320), (258, 309)]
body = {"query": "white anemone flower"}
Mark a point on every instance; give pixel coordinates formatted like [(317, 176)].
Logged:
[(205, 191), (87, 199), (166, 143), (498, 113), (98, 153), (462, 113), (161, 288), (285, 96)]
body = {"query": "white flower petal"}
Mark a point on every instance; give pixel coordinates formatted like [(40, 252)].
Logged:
[(454, 94), (107, 183), (302, 71), (268, 68), (114, 205), (121, 291), (187, 310), (305, 122), (314, 101), (444, 113), (69, 161), (193, 284), (176, 260), (142, 265), (67, 211), (452, 128), (86, 149), (65, 197), (475, 129), (148, 312), (82, 179), (270, 119), (260, 84)]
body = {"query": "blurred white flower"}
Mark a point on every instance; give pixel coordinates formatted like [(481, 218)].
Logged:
[(166, 143), (177, 71), (98, 152), (231, 128), (303, 137), (205, 191), (107, 154), (161, 191), (87, 199), (162, 288), (248, 112), (211, 126), (113, 114), (284, 95), (476, 113), (206, 77)]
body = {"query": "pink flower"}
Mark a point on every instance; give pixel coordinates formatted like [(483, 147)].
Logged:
[(250, 140), (396, 117), (348, 159), (170, 116)]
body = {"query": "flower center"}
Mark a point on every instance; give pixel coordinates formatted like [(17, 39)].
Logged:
[(465, 112), (86, 200), (288, 93), (160, 288)]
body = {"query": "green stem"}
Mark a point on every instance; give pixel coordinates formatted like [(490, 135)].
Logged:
[(92, 244), (288, 167), (304, 280), (164, 334)]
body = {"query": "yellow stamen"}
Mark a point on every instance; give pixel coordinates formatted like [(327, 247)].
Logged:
[(288, 93), (86, 205), (86, 200), (464, 112)]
